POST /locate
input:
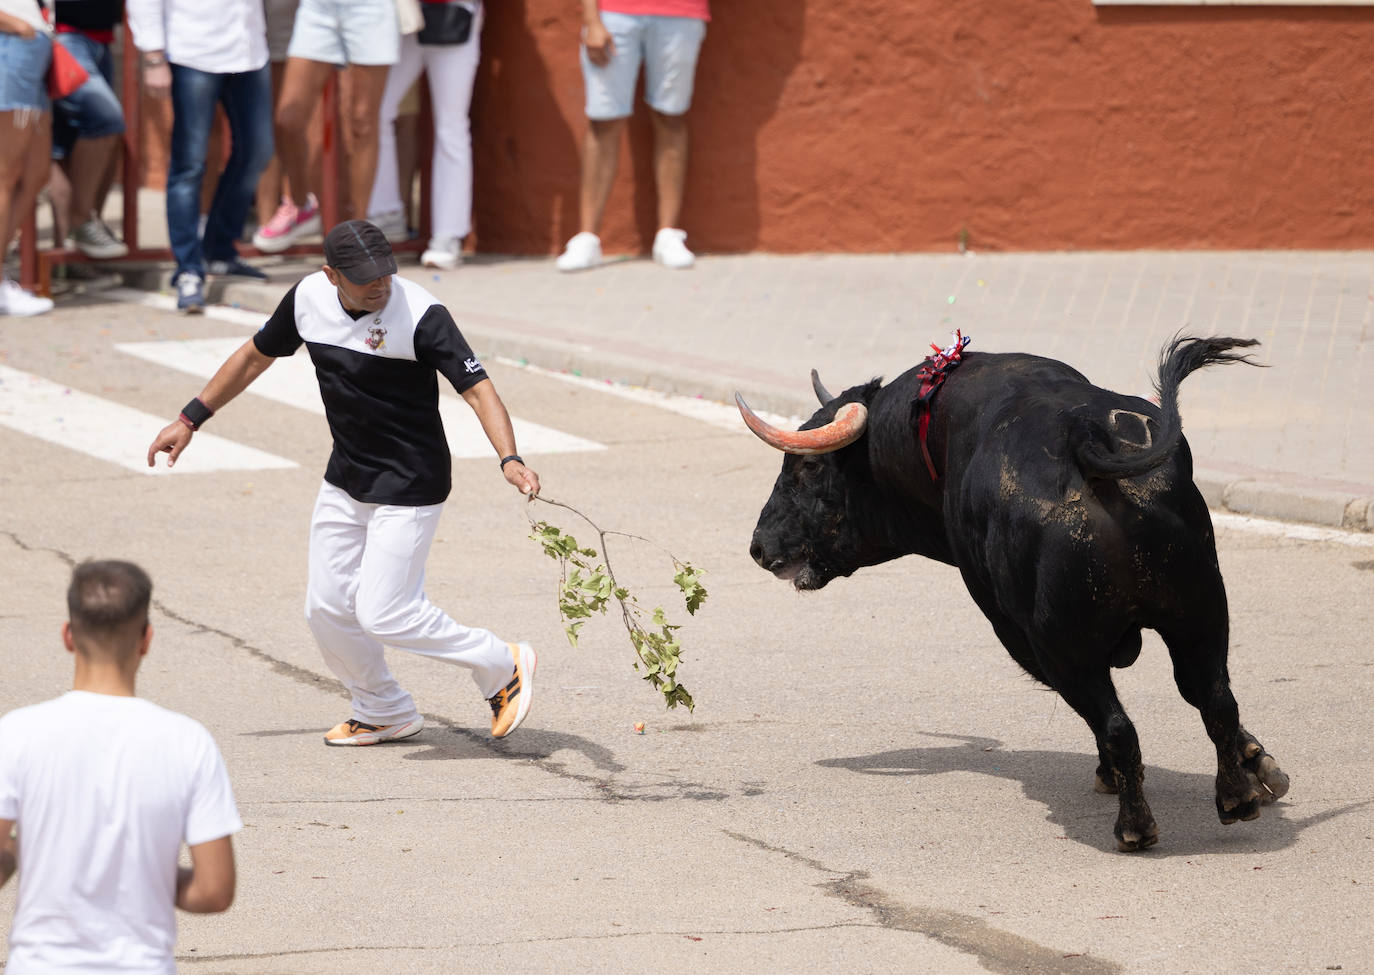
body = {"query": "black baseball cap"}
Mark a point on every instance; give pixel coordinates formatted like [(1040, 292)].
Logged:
[(359, 251)]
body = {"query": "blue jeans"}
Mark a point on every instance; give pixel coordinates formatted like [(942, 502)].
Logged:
[(92, 110), (24, 73), (247, 100)]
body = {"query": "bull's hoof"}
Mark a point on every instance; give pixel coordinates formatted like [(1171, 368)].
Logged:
[(1271, 780), (1132, 841), (1243, 809)]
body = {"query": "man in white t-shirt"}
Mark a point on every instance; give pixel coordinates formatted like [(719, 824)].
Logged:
[(98, 790)]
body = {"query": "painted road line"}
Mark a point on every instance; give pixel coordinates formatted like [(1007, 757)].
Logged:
[(291, 380), (221, 313), (111, 432)]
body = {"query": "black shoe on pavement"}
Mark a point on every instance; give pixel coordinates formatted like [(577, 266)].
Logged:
[(235, 268)]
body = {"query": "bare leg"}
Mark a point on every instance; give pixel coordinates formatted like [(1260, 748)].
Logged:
[(302, 83), (670, 166), (407, 127), (87, 165), (270, 184), (600, 157), (368, 83), (107, 178), (25, 137), (60, 196)]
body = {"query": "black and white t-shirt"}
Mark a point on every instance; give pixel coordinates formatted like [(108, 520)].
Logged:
[(378, 374)]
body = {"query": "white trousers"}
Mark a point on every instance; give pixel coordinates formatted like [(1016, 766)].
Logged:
[(451, 69), (366, 590)]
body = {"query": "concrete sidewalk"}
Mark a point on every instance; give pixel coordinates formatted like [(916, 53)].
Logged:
[(1292, 442)]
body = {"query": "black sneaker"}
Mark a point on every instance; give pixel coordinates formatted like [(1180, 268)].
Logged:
[(235, 268)]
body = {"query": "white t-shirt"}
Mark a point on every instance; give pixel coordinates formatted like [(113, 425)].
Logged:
[(104, 790)]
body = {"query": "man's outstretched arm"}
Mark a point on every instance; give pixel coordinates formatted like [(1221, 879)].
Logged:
[(491, 413), (232, 378)]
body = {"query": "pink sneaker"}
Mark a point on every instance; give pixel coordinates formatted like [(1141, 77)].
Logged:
[(288, 225)]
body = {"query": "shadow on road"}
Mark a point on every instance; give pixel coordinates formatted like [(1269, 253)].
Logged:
[(1062, 782)]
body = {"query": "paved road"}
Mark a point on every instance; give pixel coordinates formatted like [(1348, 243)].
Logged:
[(867, 784)]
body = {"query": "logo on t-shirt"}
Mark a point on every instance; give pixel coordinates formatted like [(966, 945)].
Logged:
[(471, 364), (376, 339)]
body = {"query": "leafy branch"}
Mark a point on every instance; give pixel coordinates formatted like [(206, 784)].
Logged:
[(587, 585)]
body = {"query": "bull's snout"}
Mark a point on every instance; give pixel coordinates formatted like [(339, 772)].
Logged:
[(773, 560)]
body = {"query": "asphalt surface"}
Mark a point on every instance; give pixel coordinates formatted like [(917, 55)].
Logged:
[(867, 782)]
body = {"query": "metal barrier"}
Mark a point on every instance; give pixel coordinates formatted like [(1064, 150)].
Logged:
[(35, 264)]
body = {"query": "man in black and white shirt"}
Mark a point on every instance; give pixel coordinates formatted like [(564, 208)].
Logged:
[(378, 343)]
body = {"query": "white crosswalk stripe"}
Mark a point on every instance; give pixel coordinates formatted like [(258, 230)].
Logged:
[(111, 431), (291, 380)]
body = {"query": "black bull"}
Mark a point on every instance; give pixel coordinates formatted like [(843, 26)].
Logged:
[(1070, 512)]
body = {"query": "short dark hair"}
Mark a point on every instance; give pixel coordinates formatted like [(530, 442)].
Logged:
[(107, 600)]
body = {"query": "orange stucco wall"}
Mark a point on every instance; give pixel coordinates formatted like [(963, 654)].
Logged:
[(895, 125), (902, 125)]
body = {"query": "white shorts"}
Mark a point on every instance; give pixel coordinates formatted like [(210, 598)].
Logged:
[(668, 48), (346, 32)]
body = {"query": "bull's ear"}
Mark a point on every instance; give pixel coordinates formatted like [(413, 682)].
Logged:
[(822, 394), (848, 426)]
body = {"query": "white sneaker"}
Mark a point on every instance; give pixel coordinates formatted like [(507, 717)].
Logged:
[(445, 253), (392, 225), (670, 249), (14, 300), (582, 253)]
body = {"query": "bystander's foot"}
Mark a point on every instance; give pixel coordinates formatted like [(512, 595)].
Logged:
[(190, 292), (670, 249), (235, 268), (94, 239), (289, 225), (582, 253), (14, 300), (444, 253)]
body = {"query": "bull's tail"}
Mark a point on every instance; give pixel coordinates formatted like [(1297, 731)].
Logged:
[(1179, 358)]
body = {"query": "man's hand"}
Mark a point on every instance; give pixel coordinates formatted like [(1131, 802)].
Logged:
[(522, 477), (599, 43), (157, 81), (172, 441)]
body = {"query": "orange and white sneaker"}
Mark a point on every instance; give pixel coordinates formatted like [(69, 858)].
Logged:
[(355, 732), (512, 702)]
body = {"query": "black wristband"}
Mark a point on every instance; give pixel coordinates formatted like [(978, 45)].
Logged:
[(194, 413), (507, 460)]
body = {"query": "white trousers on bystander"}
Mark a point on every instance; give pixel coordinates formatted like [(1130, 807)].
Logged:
[(452, 69)]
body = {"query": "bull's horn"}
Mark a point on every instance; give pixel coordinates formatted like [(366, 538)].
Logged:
[(842, 431), (822, 393)]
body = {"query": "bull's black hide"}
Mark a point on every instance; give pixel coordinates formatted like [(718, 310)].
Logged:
[(1072, 515)]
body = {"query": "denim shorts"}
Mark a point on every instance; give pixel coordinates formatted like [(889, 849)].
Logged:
[(668, 48), (92, 110), (346, 32), (24, 72)]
